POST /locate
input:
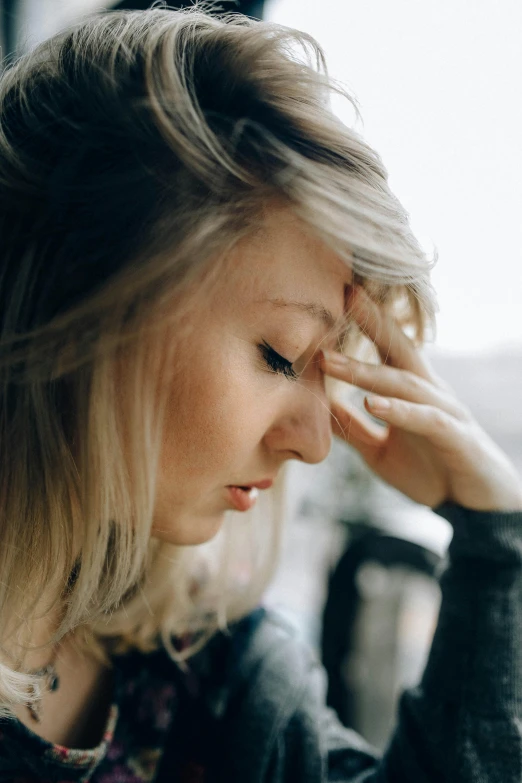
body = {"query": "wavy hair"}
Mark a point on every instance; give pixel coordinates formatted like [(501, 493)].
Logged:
[(136, 149)]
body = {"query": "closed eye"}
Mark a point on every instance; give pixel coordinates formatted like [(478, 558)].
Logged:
[(277, 363)]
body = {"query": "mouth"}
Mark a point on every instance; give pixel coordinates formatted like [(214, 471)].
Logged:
[(243, 498)]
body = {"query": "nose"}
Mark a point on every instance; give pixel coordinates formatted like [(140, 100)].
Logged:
[(302, 430)]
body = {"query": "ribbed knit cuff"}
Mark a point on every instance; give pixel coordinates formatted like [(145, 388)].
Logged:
[(495, 536), (476, 657)]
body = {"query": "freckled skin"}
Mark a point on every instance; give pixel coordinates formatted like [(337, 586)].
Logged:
[(231, 419)]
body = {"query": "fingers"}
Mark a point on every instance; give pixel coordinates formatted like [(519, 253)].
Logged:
[(391, 382), (439, 427), (405, 393), (394, 347), (355, 428)]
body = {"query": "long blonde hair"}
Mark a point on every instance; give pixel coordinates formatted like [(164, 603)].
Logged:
[(136, 148)]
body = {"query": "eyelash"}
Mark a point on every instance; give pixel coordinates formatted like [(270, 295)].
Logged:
[(277, 363)]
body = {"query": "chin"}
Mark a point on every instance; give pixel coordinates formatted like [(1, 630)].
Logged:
[(190, 531)]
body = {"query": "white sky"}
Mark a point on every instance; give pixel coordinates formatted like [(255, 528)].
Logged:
[(438, 84)]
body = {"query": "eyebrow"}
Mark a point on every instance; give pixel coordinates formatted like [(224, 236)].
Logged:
[(317, 311)]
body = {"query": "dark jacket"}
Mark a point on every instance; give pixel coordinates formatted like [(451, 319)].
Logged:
[(263, 691)]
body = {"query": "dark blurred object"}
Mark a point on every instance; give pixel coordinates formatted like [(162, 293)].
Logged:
[(8, 11), (11, 10), (378, 621), (253, 8)]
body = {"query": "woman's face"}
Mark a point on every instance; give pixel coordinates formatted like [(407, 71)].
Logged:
[(250, 395)]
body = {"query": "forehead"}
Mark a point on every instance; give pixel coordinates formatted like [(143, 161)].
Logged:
[(284, 257)]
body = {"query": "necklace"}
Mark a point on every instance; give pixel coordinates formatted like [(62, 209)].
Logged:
[(52, 683)]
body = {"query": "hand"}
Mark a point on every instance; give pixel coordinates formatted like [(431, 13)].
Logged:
[(432, 450)]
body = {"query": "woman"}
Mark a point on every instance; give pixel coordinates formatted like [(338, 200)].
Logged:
[(190, 240)]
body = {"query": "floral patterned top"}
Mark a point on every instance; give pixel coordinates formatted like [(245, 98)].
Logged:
[(145, 702)]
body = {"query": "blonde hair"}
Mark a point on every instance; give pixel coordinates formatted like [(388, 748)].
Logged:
[(136, 149)]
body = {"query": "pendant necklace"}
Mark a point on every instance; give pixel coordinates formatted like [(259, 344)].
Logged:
[(52, 683)]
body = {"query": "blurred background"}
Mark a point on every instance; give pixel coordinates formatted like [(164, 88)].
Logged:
[(437, 83)]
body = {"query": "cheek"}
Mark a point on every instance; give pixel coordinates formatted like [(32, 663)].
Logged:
[(214, 416)]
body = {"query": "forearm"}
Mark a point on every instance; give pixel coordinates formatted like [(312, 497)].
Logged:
[(464, 721)]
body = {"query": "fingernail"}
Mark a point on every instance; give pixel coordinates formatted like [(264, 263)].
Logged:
[(378, 403)]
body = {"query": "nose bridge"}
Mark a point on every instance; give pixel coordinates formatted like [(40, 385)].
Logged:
[(304, 426)]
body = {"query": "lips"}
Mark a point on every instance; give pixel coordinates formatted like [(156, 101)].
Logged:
[(243, 497), (265, 484)]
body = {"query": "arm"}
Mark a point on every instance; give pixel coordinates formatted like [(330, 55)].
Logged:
[(464, 721), (462, 724)]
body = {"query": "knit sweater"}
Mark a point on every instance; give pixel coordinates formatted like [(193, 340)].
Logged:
[(252, 707)]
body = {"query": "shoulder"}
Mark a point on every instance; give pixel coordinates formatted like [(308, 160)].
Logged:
[(272, 702), (260, 656)]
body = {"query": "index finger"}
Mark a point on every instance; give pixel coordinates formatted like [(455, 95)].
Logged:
[(395, 348)]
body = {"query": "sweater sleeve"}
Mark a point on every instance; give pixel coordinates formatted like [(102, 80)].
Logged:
[(464, 721)]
